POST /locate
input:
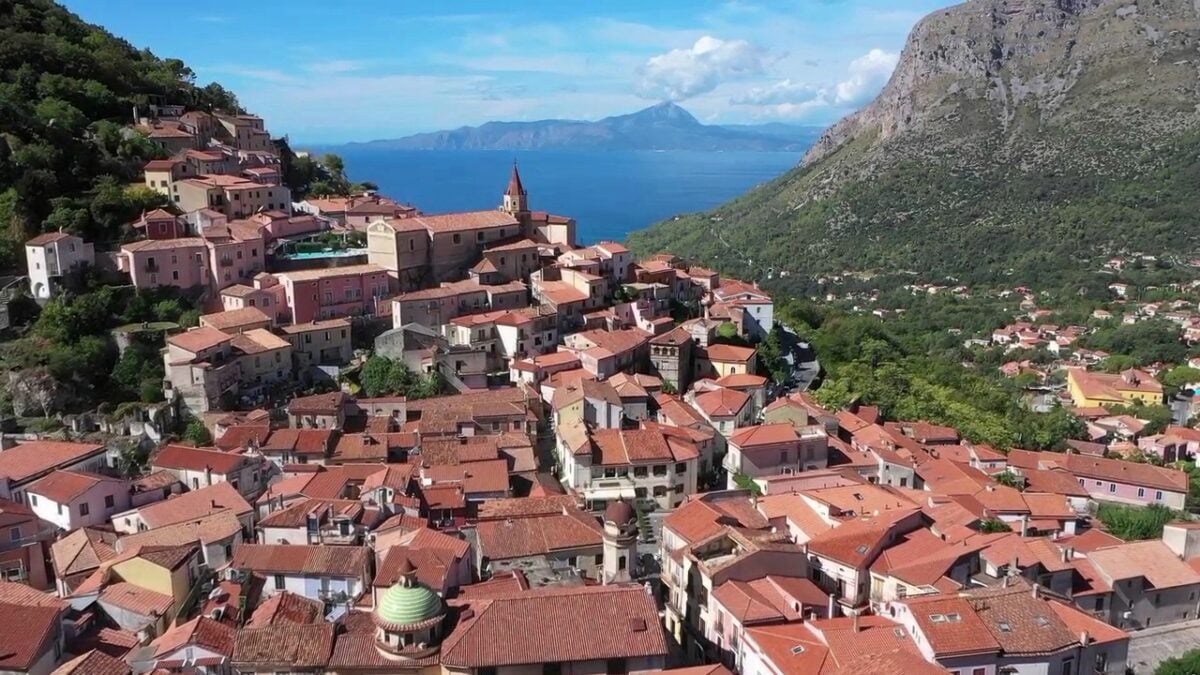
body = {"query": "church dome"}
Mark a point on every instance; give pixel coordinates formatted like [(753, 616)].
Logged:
[(619, 513), (408, 604)]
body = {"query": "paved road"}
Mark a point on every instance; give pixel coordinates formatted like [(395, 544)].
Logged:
[(1148, 648)]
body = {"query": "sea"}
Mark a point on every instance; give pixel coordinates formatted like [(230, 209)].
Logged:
[(609, 193)]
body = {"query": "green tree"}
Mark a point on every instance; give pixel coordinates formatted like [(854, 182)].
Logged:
[(1180, 376), (196, 433), (1187, 663), (1135, 522), (992, 525)]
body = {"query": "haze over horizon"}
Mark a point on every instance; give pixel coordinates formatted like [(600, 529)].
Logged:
[(384, 71)]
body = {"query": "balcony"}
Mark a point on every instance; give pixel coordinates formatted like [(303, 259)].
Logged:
[(226, 261), (150, 266)]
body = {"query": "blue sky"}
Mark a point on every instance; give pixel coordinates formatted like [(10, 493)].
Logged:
[(325, 71)]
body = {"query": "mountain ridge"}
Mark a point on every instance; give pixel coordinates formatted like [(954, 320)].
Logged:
[(1016, 138), (664, 126)]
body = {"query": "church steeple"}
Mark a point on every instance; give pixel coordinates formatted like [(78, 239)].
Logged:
[(516, 199)]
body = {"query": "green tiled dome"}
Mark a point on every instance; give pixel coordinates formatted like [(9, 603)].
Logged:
[(405, 605)]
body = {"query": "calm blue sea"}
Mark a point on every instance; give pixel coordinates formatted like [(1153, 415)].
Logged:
[(609, 193)]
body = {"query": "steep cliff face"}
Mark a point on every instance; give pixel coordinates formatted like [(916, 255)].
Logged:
[(1013, 67), (1014, 135)]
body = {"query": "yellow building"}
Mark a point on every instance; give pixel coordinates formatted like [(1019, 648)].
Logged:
[(1088, 389), (169, 570), (729, 360)]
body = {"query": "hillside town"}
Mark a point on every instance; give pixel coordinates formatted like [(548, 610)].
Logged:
[(603, 478)]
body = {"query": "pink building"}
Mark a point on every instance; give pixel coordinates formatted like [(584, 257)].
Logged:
[(166, 262), (335, 292), (266, 294), (235, 251)]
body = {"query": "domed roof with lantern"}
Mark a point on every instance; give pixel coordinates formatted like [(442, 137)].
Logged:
[(620, 513), (408, 605)]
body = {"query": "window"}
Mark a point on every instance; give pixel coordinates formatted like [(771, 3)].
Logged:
[(84, 509), (599, 559), (1068, 666), (1141, 492), (1158, 495), (551, 668), (279, 582), (60, 510), (14, 534), (174, 275), (681, 467), (33, 500), (457, 238), (1112, 487), (478, 236), (109, 501)]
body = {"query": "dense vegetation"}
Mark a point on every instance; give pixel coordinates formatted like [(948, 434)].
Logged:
[(1133, 523), (914, 371), (1187, 663), (67, 90), (382, 376)]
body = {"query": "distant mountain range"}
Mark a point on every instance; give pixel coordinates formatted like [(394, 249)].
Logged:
[(665, 126)]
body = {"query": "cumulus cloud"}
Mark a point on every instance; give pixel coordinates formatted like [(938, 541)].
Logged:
[(865, 76), (783, 92), (868, 74), (683, 73)]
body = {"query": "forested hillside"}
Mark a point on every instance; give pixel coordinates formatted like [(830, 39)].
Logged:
[(1015, 141), (67, 94)]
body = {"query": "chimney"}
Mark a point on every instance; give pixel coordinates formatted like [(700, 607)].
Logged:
[(856, 622), (1066, 555), (1036, 590), (1084, 638)]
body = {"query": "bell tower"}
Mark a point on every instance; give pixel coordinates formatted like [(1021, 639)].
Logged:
[(620, 544), (516, 199)]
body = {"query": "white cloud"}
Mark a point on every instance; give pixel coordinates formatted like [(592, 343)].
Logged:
[(865, 76), (868, 74), (782, 92), (683, 73)]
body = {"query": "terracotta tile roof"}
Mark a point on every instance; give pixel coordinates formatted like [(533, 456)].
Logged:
[(202, 632), (1119, 471), (234, 318), (27, 633), (791, 648), (425, 538), (47, 238), (450, 451), (168, 557), (1150, 559), (499, 586), (206, 529), (1090, 540), (310, 442), (27, 460), (722, 402), (345, 561), (537, 535), (314, 325), (432, 566), (1051, 506), (286, 609), (330, 273), (286, 647), (197, 340), (704, 516), (856, 542), (741, 381), (136, 599), (63, 487), (186, 458), (730, 353), (749, 438), (468, 220), (194, 504), (94, 662), (12, 593), (82, 551), (296, 515), (354, 650), (474, 477), (1078, 622), (499, 509), (1052, 481), (621, 447), (562, 625), (182, 244), (319, 404), (242, 436)]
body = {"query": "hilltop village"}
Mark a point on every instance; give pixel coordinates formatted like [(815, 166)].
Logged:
[(467, 443)]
